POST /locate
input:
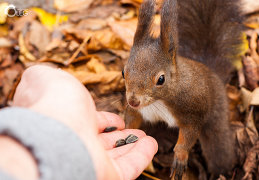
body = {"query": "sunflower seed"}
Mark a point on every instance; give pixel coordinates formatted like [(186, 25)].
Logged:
[(120, 142), (110, 129), (131, 139)]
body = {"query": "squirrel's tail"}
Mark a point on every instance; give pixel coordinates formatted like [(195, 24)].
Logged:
[(210, 32)]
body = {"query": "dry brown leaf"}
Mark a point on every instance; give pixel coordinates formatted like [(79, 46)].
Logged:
[(73, 45), (251, 163), (72, 5), (39, 36), (253, 47), (20, 24), (241, 78), (7, 79), (125, 30), (100, 39), (249, 98), (255, 97), (246, 98), (6, 59), (78, 33), (25, 55), (251, 72), (249, 122), (55, 43), (120, 53), (105, 82), (106, 39), (250, 6), (92, 24), (246, 135), (102, 12), (105, 56), (56, 40), (5, 43), (80, 49), (87, 77), (95, 66)]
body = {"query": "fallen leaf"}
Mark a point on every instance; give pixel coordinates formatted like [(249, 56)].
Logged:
[(251, 72), (106, 39), (102, 12), (20, 24), (3, 15), (95, 66), (72, 5), (39, 37), (92, 24), (251, 163), (50, 20), (125, 30), (250, 6), (80, 48), (25, 55), (253, 47), (5, 43), (6, 58)]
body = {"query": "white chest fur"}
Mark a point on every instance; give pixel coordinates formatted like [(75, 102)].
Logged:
[(158, 111)]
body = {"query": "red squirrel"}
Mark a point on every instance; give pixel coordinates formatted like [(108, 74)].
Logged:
[(180, 76)]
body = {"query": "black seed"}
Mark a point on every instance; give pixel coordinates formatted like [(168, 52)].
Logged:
[(110, 129), (120, 142), (131, 139)]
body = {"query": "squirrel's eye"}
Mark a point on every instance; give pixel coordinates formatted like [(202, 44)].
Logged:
[(161, 80), (122, 72)]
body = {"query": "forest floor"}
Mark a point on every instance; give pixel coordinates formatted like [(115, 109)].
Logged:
[(92, 39)]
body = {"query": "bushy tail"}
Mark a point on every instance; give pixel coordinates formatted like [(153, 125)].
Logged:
[(210, 32)]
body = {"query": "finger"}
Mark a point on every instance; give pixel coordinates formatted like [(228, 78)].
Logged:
[(106, 119), (136, 158), (109, 139)]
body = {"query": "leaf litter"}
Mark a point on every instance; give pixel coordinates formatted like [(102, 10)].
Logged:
[(91, 40)]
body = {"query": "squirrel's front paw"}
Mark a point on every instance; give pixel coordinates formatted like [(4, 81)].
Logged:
[(179, 165)]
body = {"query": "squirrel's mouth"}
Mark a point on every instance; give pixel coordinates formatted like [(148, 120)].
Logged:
[(138, 101), (138, 104)]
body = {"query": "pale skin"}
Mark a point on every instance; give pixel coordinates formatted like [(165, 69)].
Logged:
[(59, 95)]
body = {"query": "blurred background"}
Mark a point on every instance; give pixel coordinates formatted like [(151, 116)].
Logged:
[(92, 39)]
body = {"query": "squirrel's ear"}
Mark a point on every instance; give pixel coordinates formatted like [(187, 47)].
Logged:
[(145, 21), (169, 33)]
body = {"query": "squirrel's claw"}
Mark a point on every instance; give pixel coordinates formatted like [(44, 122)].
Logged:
[(178, 168)]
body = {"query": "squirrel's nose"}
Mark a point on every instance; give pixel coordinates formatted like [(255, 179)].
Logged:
[(134, 103)]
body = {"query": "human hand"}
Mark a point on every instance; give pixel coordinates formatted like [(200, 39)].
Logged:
[(59, 95)]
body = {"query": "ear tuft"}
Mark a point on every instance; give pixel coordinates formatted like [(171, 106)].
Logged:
[(145, 21), (169, 32)]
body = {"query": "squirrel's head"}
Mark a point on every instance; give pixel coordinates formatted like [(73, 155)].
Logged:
[(151, 67)]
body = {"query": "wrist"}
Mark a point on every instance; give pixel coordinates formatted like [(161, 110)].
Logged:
[(16, 160)]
